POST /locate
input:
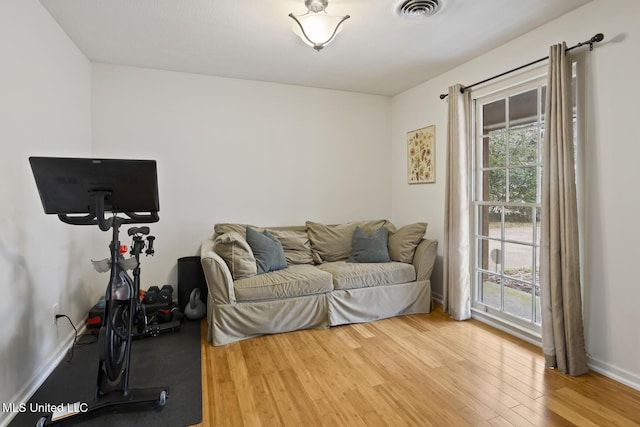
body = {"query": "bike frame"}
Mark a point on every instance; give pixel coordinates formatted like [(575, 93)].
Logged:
[(112, 387)]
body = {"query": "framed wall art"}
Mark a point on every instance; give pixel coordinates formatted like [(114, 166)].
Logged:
[(421, 155)]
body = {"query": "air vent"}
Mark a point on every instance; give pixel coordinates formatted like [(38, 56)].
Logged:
[(415, 9)]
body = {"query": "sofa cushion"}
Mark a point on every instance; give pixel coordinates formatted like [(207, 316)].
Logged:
[(237, 254), (348, 275), (403, 242), (241, 229), (296, 245), (295, 240), (267, 250), (333, 242), (369, 248), (294, 281)]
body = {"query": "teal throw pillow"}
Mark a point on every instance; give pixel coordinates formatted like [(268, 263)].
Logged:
[(366, 248), (267, 251)]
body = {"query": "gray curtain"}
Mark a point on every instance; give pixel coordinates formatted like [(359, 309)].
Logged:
[(457, 238), (562, 330)]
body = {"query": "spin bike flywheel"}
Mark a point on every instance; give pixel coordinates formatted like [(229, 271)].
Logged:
[(115, 336)]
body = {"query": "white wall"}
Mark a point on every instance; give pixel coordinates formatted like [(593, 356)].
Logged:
[(611, 203), (233, 150), (44, 110)]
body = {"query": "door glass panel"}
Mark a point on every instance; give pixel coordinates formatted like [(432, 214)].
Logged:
[(518, 261), (538, 318), (538, 225), (523, 145), (489, 221), (518, 225), (522, 185), (495, 151), (490, 258), (523, 108), (493, 116), (495, 190), (517, 298), (489, 289), (518, 279)]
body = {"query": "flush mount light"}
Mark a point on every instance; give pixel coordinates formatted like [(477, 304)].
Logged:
[(316, 27)]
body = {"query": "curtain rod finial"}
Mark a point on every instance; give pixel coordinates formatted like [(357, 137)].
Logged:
[(595, 39)]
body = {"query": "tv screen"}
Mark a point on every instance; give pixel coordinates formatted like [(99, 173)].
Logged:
[(65, 184)]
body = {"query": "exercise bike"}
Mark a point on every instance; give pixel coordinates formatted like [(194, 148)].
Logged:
[(99, 182), (145, 320), (125, 314)]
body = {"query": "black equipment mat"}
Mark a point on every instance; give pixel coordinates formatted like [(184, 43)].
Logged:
[(171, 359)]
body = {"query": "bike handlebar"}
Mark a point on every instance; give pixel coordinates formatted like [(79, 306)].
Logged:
[(138, 230), (97, 210), (105, 224)]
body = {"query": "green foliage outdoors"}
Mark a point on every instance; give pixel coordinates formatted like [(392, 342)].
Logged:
[(513, 152)]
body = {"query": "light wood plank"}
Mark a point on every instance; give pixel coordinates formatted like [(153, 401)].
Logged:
[(418, 370)]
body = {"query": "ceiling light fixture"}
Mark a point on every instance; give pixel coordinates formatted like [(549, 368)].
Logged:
[(316, 27)]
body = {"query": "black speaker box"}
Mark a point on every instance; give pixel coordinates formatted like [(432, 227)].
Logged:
[(190, 277)]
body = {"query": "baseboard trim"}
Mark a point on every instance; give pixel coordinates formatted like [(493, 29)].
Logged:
[(610, 371), (622, 376), (438, 298), (31, 386)]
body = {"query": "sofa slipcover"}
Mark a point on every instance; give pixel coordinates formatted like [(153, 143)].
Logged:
[(320, 295), (352, 275), (294, 281)]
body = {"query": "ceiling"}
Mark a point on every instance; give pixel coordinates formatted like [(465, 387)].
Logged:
[(378, 52)]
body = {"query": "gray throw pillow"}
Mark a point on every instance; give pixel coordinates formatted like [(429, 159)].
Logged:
[(370, 248), (333, 242), (267, 250)]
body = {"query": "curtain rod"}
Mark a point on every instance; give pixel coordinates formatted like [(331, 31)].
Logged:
[(595, 39)]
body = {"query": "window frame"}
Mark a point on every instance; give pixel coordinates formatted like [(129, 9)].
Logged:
[(582, 140), (512, 86)]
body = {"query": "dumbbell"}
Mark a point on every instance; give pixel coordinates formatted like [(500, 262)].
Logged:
[(152, 296), (166, 294), (150, 250)]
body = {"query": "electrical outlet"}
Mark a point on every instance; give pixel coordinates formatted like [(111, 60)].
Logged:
[(56, 311)]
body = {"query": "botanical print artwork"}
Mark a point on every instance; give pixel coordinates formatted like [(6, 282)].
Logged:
[(421, 155)]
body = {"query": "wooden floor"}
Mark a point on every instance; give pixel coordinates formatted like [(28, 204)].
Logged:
[(417, 370)]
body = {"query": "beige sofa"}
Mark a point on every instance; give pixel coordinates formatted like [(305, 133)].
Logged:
[(320, 286)]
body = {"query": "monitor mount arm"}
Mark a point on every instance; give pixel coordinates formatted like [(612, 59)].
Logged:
[(97, 211)]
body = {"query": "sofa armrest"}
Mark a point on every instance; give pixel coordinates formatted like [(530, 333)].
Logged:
[(217, 274), (424, 258)]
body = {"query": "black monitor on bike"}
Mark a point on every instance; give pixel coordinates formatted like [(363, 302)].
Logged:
[(64, 184), (71, 186)]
